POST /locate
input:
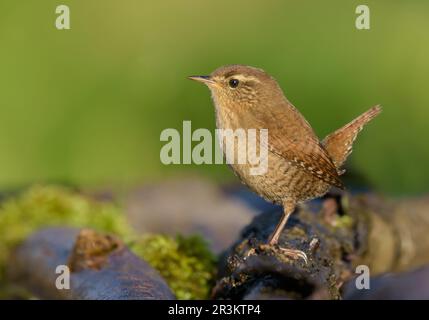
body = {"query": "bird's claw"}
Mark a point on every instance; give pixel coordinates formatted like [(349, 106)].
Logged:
[(291, 253), (295, 254)]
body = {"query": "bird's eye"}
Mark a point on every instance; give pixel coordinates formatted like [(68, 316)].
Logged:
[(233, 83)]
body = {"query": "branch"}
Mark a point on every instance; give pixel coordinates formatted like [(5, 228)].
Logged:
[(337, 234)]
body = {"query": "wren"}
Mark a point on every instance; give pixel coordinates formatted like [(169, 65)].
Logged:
[(300, 166)]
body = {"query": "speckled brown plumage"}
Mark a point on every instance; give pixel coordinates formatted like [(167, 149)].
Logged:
[(300, 167)]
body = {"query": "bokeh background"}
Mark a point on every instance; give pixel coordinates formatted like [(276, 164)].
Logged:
[(87, 105)]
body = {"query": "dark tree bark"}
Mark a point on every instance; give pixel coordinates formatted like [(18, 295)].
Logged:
[(337, 233)]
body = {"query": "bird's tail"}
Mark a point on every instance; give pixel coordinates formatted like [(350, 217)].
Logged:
[(339, 143)]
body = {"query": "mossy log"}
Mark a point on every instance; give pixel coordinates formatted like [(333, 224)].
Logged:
[(101, 267), (337, 233)]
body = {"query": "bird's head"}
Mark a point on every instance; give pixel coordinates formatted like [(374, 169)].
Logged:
[(236, 87)]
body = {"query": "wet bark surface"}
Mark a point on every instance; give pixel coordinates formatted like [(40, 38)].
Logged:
[(337, 234)]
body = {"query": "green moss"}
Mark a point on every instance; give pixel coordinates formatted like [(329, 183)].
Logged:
[(186, 263), (44, 206), (344, 222)]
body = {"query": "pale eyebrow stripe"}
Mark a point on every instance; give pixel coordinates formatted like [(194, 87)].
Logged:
[(245, 78)]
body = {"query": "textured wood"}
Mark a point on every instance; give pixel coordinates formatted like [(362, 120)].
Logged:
[(377, 235)]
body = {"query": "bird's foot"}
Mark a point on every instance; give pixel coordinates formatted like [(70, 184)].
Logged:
[(295, 254), (290, 253)]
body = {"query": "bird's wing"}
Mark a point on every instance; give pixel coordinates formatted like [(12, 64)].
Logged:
[(306, 154), (292, 138)]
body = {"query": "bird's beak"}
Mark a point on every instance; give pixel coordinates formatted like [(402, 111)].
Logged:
[(204, 79)]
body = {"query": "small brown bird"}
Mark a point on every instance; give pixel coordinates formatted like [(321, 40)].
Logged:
[(300, 167)]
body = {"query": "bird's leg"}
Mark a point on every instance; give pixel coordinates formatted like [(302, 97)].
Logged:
[(274, 237), (288, 208)]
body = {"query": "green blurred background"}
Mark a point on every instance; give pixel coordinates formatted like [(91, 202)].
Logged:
[(87, 105)]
